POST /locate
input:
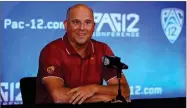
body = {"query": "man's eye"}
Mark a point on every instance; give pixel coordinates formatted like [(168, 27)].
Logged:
[(75, 22), (88, 22)]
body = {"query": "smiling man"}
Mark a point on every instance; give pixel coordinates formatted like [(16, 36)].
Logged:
[(70, 68)]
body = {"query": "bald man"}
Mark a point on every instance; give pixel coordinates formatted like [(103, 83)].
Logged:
[(70, 68)]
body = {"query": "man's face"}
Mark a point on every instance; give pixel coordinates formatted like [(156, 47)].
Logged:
[(80, 25)]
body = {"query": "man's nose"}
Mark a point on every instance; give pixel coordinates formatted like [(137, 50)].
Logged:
[(82, 26)]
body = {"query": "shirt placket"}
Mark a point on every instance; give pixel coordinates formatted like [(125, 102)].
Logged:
[(82, 70)]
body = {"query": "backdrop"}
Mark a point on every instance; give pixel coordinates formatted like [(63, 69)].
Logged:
[(149, 37)]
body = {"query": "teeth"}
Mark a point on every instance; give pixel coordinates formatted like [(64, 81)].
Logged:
[(81, 34)]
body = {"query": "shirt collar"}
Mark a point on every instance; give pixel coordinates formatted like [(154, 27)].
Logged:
[(71, 51)]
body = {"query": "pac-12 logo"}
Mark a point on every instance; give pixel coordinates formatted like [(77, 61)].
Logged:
[(172, 20), (116, 24)]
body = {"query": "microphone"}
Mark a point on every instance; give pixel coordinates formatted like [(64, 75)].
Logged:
[(113, 61)]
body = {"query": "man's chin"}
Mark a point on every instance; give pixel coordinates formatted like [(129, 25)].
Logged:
[(81, 43)]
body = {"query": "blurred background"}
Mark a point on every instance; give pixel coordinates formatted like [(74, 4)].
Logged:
[(150, 37)]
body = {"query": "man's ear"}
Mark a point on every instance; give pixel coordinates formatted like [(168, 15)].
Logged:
[(65, 25)]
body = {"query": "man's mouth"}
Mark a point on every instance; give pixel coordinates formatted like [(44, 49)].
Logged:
[(81, 34)]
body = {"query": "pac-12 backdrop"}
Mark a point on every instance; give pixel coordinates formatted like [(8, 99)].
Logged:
[(149, 37)]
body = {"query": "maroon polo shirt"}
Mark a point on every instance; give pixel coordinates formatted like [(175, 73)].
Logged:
[(60, 59)]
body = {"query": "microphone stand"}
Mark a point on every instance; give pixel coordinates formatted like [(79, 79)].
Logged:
[(119, 97)]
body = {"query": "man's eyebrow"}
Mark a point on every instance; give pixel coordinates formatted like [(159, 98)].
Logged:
[(79, 19), (74, 19), (88, 20)]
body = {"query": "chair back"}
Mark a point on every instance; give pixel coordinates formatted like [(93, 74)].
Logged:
[(28, 89)]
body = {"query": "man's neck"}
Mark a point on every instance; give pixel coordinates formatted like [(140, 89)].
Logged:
[(80, 48)]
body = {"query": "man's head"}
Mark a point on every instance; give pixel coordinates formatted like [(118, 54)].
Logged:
[(79, 24)]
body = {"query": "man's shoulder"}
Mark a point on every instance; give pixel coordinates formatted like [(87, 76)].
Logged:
[(102, 47), (99, 43), (57, 43)]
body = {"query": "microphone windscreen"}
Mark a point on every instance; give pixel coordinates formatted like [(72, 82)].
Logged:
[(106, 61)]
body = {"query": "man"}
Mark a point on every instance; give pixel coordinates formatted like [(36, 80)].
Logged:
[(70, 68)]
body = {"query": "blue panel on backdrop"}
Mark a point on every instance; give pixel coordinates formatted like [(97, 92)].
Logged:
[(149, 37)]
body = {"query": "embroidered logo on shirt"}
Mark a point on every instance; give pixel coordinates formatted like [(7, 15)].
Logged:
[(91, 58), (92, 61), (50, 69)]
